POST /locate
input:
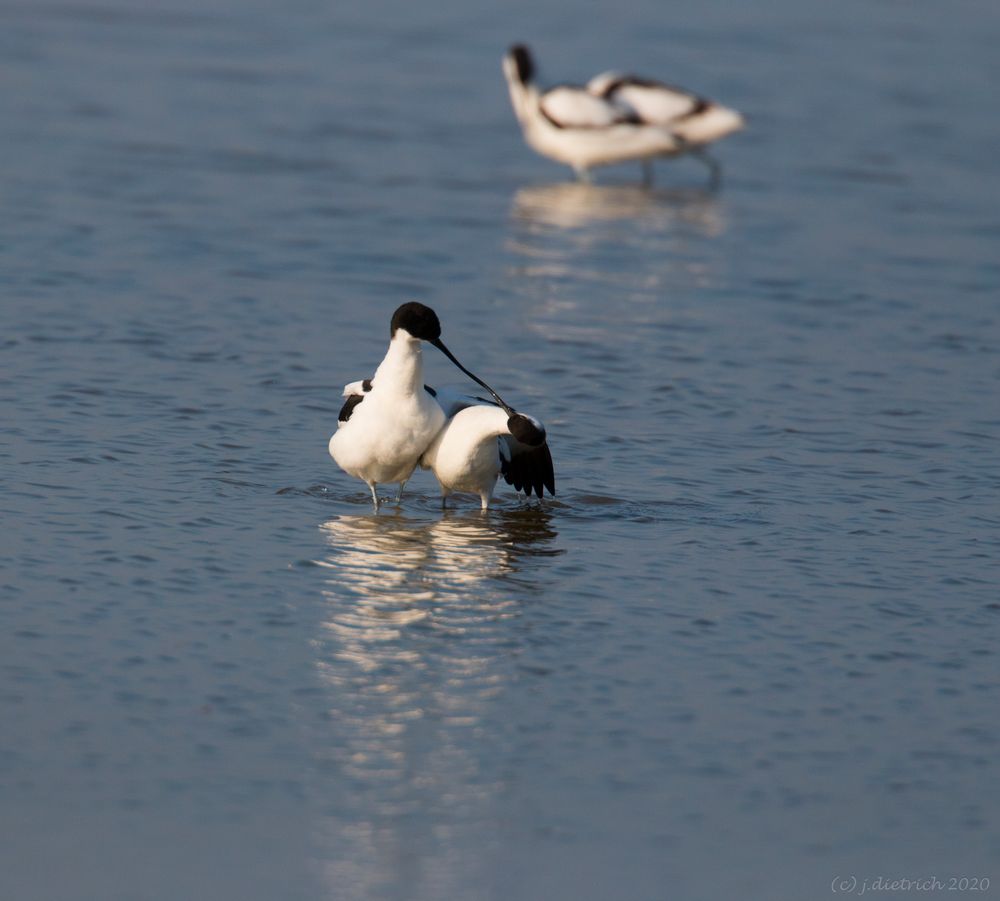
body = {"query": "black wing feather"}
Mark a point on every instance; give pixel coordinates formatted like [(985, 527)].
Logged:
[(529, 469), (349, 405)]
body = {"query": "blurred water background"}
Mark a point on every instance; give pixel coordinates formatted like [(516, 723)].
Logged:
[(752, 644)]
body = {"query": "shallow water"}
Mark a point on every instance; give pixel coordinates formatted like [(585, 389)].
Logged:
[(751, 645)]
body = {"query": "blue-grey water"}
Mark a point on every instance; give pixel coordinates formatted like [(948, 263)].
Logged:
[(751, 646)]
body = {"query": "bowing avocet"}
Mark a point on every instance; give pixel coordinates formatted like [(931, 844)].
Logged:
[(384, 428), (482, 440), (614, 118)]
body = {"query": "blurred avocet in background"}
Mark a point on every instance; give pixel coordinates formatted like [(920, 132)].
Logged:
[(614, 118)]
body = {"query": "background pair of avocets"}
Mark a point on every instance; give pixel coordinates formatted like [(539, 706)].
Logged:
[(614, 118), (392, 422)]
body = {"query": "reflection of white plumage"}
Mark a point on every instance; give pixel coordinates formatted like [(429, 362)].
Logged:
[(481, 441), (578, 205), (613, 119)]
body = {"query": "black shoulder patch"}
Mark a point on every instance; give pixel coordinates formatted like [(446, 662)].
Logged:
[(366, 385), (349, 405), (629, 81), (701, 105), (613, 86)]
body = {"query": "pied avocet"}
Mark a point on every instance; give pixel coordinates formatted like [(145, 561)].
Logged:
[(482, 440), (613, 119)]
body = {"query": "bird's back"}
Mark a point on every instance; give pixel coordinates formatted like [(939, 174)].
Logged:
[(465, 456)]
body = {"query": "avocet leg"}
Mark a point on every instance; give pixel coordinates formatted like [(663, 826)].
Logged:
[(714, 168)]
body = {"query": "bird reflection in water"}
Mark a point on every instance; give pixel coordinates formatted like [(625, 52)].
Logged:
[(419, 640), (578, 205)]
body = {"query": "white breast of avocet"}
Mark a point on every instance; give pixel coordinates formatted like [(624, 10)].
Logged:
[(384, 436)]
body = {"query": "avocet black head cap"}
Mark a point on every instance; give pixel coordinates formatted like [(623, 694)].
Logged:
[(419, 320), (522, 62), (526, 429)]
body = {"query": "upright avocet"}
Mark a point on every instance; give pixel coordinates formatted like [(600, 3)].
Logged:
[(386, 426), (481, 440), (615, 118)]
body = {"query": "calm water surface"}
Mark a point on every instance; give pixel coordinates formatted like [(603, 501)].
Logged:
[(752, 644)]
